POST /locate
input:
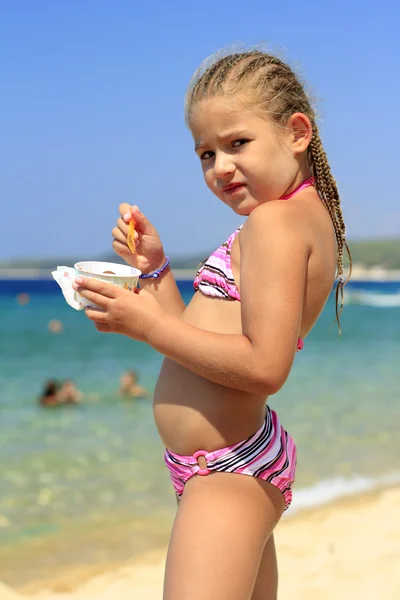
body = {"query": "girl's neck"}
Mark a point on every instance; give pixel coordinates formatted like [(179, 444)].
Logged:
[(310, 181), (302, 175)]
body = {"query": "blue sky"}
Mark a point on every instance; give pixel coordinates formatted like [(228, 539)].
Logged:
[(92, 114)]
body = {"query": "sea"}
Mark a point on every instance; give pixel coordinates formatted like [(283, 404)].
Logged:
[(86, 485)]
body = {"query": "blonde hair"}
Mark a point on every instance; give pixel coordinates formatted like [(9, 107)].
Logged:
[(276, 89)]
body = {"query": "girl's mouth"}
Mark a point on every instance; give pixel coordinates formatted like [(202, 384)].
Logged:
[(232, 188)]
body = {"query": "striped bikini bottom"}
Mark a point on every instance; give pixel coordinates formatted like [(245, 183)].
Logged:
[(269, 454)]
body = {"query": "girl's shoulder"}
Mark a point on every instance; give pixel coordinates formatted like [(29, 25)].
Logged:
[(275, 218)]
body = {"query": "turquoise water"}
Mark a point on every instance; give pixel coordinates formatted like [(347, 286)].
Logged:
[(96, 470)]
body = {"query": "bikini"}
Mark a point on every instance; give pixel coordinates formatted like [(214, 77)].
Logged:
[(270, 453), (215, 278)]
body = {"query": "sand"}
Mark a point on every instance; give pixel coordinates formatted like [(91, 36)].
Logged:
[(346, 550)]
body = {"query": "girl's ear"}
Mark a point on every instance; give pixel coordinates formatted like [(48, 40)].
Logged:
[(301, 130)]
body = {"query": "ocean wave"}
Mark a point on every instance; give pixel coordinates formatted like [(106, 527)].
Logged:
[(374, 299), (327, 490)]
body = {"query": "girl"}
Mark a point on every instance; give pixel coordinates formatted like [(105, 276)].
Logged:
[(257, 297)]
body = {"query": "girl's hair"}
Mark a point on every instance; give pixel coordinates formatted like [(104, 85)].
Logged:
[(271, 85)]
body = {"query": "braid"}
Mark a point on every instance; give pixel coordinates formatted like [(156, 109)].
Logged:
[(211, 81), (275, 88), (225, 65), (328, 192)]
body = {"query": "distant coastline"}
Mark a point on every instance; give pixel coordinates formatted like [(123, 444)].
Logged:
[(28, 274), (360, 273), (373, 260)]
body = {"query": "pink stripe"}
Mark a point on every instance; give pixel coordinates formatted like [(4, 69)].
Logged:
[(307, 183), (279, 450)]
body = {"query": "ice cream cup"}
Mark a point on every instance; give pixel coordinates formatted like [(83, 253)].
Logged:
[(122, 275)]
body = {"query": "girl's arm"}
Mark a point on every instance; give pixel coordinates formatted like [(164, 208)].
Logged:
[(274, 258), (148, 257), (165, 290)]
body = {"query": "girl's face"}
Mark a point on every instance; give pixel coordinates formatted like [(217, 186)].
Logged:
[(246, 161)]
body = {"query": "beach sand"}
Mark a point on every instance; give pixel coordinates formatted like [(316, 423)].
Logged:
[(349, 549)]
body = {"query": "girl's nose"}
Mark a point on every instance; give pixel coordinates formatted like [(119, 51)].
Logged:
[(223, 166)]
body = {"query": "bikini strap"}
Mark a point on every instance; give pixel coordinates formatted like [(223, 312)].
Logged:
[(230, 239), (306, 183)]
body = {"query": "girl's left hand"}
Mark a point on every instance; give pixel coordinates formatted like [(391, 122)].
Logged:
[(120, 311)]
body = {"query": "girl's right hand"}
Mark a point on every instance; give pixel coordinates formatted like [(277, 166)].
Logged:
[(149, 254)]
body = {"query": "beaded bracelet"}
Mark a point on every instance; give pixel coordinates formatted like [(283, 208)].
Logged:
[(155, 274)]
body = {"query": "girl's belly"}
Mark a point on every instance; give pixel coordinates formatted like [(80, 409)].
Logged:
[(193, 413)]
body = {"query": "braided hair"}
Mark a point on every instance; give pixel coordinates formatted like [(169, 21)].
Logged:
[(278, 91)]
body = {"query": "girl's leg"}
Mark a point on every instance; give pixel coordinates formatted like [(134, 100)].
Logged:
[(266, 586), (220, 531)]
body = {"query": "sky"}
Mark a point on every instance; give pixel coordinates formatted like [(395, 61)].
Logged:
[(91, 114)]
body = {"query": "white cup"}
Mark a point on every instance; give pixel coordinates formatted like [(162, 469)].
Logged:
[(121, 275)]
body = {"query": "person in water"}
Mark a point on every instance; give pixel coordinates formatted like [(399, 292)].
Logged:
[(57, 394), (49, 395), (69, 393), (256, 299), (130, 387)]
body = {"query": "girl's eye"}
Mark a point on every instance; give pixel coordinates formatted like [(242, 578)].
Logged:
[(206, 155), (238, 143)]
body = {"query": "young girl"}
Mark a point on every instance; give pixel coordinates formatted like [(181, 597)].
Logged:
[(256, 298)]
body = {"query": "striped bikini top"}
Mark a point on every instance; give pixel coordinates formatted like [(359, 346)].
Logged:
[(215, 278)]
